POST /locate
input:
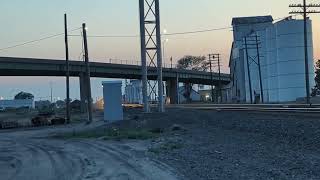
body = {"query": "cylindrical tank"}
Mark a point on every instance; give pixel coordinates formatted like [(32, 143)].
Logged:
[(272, 68), (291, 59), (263, 63)]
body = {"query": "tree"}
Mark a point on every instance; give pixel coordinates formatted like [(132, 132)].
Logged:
[(197, 63), (23, 95), (75, 105), (61, 104), (316, 89)]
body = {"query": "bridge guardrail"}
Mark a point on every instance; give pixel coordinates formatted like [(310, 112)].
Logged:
[(138, 63)]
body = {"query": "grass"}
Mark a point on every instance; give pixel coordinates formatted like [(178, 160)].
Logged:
[(111, 134), (169, 146)]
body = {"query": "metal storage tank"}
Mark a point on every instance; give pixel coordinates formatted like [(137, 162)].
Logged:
[(263, 62), (272, 67), (290, 59)]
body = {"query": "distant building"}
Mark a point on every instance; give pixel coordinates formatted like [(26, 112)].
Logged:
[(23, 103), (282, 60), (133, 92), (206, 95), (194, 95)]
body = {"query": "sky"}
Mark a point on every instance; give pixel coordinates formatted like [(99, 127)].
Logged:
[(23, 21)]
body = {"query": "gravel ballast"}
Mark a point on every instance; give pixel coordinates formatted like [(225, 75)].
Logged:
[(239, 145)]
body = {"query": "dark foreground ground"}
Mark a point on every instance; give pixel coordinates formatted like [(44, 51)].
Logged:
[(180, 144), (237, 145)]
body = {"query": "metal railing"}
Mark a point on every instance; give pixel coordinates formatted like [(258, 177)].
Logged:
[(138, 63)]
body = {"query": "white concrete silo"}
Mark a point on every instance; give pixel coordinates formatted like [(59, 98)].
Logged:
[(271, 63), (263, 63), (291, 60)]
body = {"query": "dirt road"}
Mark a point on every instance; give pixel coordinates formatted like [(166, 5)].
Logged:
[(30, 155)]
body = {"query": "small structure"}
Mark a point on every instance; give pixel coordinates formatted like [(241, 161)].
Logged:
[(17, 103), (133, 92), (112, 96)]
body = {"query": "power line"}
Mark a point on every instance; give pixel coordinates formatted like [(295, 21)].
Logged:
[(121, 36), (168, 34), (36, 40), (107, 36), (199, 31)]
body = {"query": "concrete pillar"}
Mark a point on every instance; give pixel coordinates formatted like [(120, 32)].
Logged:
[(172, 90), (83, 92)]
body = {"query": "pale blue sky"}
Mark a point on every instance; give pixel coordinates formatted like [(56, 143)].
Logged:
[(23, 20)]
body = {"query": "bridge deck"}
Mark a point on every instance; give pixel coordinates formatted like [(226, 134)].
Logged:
[(13, 66)]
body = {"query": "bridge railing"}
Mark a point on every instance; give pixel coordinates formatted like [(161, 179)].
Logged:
[(138, 63)]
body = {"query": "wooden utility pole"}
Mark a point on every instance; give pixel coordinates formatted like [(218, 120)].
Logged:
[(305, 10), (219, 70), (248, 69), (259, 66), (88, 83), (68, 116), (216, 59), (51, 92), (211, 77), (252, 42)]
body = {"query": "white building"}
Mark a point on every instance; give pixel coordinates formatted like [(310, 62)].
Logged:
[(133, 92), (23, 103), (282, 62)]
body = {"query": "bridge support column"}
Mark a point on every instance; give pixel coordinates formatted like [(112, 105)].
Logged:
[(172, 90), (83, 92)]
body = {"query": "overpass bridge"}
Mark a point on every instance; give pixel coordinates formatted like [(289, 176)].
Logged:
[(14, 66)]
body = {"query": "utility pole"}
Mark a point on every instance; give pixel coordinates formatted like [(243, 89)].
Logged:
[(305, 11), (259, 66), (252, 42), (215, 58), (88, 83), (211, 77), (67, 69), (51, 92), (220, 83), (248, 69)]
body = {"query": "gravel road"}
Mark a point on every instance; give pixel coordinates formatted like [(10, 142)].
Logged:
[(29, 155)]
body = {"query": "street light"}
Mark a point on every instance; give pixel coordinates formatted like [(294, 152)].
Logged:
[(163, 49), (163, 45), (164, 31)]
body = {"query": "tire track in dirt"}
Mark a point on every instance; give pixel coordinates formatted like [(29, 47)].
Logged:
[(30, 155), (121, 159)]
